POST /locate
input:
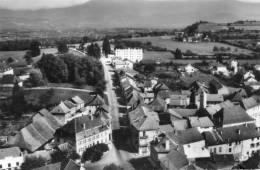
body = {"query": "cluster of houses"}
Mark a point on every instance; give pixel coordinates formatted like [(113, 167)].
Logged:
[(76, 122), (177, 128)]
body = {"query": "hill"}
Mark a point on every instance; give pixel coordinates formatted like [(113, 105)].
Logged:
[(129, 13)]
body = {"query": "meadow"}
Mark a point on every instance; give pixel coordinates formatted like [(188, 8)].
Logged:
[(202, 48)]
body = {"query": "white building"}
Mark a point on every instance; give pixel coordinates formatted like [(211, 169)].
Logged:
[(252, 109), (221, 69), (5, 70), (132, 54), (92, 130), (190, 69), (234, 66), (192, 142), (144, 128), (11, 158), (240, 141), (123, 64)]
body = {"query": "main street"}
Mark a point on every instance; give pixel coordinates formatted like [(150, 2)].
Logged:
[(112, 99)]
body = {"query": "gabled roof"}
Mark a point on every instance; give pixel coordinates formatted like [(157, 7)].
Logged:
[(215, 98), (55, 166), (77, 100), (186, 136), (69, 104), (178, 100), (249, 103), (96, 101), (177, 159), (86, 122), (203, 122), (160, 87), (158, 104), (10, 152), (37, 133), (143, 118), (72, 166), (231, 134), (181, 113), (4, 67), (216, 84), (238, 95), (213, 109), (60, 109), (235, 114)]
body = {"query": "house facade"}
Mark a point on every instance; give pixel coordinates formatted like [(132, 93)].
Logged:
[(144, 124), (92, 130), (5, 70), (132, 54), (11, 158)]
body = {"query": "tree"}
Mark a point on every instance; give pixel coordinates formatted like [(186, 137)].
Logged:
[(53, 68), (112, 167), (35, 79), (62, 47), (10, 60), (94, 50), (28, 57), (35, 48), (178, 53), (18, 101), (32, 163), (219, 58), (106, 46), (94, 153), (149, 68), (215, 49)]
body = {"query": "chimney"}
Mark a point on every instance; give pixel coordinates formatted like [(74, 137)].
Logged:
[(167, 145), (238, 131), (84, 126)]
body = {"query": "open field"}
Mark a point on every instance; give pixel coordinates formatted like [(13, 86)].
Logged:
[(50, 96), (199, 48), (18, 56), (153, 56)]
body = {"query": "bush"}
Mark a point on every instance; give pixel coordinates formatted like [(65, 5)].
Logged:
[(94, 153), (112, 167), (32, 163)]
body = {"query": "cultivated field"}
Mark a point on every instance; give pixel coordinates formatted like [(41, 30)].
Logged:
[(18, 56), (199, 48)]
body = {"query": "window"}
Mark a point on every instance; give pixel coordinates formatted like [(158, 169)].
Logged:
[(17, 163), (215, 150), (230, 144), (230, 149), (220, 149), (252, 145), (1, 166), (9, 165)]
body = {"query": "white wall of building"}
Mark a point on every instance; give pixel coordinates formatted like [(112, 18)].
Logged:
[(196, 150), (134, 55), (83, 144), (11, 162)]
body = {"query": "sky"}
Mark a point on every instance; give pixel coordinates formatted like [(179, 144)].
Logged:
[(39, 4)]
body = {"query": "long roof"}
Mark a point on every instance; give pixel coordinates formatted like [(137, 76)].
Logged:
[(143, 118), (231, 134), (235, 114), (38, 132), (10, 152), (249, 103), (188, 136)]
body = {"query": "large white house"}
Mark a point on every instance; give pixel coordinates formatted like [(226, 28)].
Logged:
[(132, 54), (11, 158), (91, 130)]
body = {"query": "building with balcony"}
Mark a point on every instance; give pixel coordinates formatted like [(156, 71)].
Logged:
[(144, 124)]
